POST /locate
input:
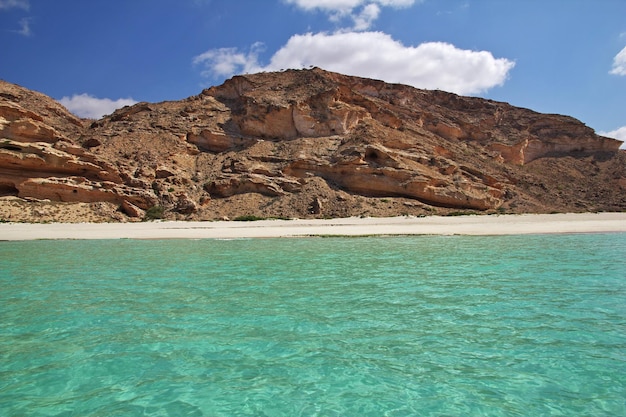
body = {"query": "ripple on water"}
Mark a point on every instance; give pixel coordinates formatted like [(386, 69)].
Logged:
[(430, 326)]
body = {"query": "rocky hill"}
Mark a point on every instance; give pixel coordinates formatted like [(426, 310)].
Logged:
[(299, 143)]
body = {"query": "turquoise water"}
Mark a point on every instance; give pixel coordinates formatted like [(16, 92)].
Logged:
[(380, 326)]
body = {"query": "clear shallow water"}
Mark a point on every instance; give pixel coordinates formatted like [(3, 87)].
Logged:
[(382, 326)]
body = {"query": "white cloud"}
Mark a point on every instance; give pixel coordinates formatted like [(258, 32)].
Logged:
[(14, 4), (345, 5), (24, 23), (362, 12), (85, 105), (228, 61), (25, 27), (619, 63), (432, 65), (619, 134), (332, 6), (367, 16)]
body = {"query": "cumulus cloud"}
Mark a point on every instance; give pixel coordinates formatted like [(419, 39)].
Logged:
[(87, 106), (619, 63), (362, 12), (14, 4), (431, 65), (619, 134)]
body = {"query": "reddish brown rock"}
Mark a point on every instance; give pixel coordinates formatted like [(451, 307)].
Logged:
[(132, 210), (25, 126), (270, 144), (79, 189), (185, 205), (217, 141), (229, 185)]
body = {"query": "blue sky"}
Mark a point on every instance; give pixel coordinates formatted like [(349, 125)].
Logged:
[(553, 56)]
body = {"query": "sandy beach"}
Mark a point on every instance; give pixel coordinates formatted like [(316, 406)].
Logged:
[(434, 225)]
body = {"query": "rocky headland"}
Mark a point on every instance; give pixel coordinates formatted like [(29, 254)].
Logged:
[(299, 144)]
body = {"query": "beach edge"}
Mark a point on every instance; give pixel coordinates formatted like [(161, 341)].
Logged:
[(478, 225)]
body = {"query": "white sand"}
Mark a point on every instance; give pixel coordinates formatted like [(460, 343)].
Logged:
[(435, 225)]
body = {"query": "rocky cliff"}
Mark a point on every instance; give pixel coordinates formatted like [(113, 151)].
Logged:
[(299, 143)]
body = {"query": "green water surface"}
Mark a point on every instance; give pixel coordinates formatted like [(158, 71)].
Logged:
[(377, 326)]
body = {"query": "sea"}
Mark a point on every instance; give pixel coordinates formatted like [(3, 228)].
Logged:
[(521, 325)]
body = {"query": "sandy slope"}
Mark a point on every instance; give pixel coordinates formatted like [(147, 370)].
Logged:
[(434, 225)]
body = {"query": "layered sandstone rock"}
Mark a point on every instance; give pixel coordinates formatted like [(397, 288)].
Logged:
[(39, 160), (306, 143), (79, 189)]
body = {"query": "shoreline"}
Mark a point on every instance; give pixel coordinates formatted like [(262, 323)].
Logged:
[(471, 225)]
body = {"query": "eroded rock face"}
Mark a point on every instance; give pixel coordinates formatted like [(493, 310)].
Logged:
[(80, 189), (218, 141), (61, 158), (307, 143), (378, 172), (19, 124), (39, 160), (228, 185)]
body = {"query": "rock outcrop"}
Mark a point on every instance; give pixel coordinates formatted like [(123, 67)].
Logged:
[(40, 160), (306, 143)]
